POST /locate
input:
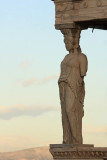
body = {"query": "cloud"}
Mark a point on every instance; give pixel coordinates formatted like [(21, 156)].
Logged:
[(22, 110), (29, 82), (47, 79), (95, 129), (25, 64), (33, 80)]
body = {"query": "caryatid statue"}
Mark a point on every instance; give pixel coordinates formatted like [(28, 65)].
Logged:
[(71, 87)]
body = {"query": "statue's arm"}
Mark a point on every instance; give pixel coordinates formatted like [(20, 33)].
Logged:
[(83, 65)]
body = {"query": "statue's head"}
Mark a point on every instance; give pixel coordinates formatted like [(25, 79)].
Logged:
[(71, 38)]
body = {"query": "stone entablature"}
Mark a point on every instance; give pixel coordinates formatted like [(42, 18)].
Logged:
[(78, 11), (68, 0), (61, 152)]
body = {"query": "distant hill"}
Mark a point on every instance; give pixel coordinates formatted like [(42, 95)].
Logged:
[(40, 153)]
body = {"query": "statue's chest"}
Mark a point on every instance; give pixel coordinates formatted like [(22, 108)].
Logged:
[(71, 62)]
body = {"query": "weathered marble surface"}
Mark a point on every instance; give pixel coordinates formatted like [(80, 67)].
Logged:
[(69, 152), (69, 12), (72, 16), (79, 159), (72, 87)]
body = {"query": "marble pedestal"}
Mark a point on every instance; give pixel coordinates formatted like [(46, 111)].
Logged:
[(77, 152)]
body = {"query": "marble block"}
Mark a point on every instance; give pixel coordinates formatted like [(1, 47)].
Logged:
[(76, 152)]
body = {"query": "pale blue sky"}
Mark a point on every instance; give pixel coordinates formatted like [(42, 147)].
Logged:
[(30, 54)]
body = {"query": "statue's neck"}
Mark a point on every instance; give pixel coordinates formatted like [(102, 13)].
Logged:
[(74, 51)]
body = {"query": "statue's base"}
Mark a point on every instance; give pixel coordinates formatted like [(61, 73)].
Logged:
[(77, 152)]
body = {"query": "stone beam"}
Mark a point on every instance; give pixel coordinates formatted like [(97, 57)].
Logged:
[(83, 152), (85, 13)]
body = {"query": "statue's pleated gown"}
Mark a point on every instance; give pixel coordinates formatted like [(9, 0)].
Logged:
[(72, 92)]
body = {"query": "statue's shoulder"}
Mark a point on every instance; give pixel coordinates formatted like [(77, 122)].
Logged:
[(82, 56), (66, 56)]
